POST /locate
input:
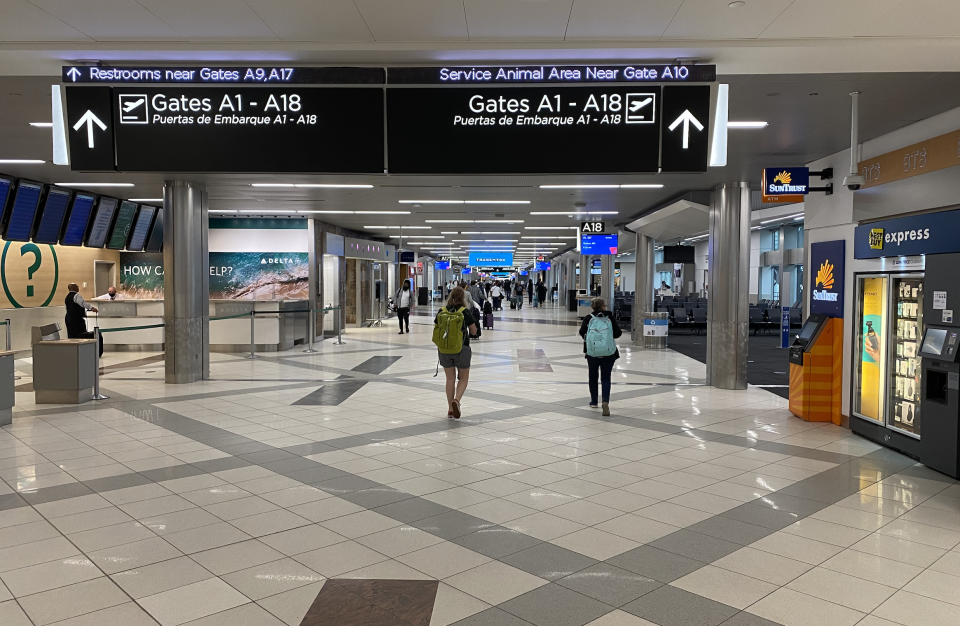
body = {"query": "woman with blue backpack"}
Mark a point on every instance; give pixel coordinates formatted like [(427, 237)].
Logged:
[(599, 330)]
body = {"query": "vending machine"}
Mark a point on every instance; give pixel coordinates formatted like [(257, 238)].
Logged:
[(887, 371)]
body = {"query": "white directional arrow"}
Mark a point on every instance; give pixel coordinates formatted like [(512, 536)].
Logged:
[(89, 119), (686, 118), (74, 73)]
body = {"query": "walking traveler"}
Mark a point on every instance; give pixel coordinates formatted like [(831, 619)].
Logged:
[(496, 293), (404, 302), (542, 293), (530, 291), (518, 295), (599, 329), (476, 293), (453, 327), (76, 318)]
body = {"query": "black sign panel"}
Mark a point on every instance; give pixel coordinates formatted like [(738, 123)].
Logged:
[(517, 130), (90, 128), (685, 128), (224, 74), (592, 227), (249, 129), (569, 74)]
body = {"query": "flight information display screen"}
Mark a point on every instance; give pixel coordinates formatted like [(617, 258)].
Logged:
[(51, 216), (122, 225), (23, 212), (598, 244), (442, 265), (141, 228), (102, 219), (4, 192), (155, 242), (78, 220)]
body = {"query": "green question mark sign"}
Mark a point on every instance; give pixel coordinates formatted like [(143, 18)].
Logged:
[(37, 262)]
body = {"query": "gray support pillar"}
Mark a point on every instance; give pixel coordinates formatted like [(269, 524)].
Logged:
[(583, 282), (607, 265), (643, 286), (186, 287), (313, 277), (729, 271), (570, 279)]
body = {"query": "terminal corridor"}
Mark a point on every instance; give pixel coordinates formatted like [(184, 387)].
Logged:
[(330, 488)]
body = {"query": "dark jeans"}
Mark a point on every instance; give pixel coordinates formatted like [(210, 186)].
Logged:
[(404, 316), (601, 369), (496, 303)]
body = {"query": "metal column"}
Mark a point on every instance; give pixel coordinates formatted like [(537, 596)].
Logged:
[(729, 272), (607, 265), (583, 282), (643, 286), (186, 287)]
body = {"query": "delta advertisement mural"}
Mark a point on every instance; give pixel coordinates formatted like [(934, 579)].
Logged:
[(233, 275)]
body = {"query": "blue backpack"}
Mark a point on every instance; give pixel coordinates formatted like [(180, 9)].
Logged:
[(600, 337)]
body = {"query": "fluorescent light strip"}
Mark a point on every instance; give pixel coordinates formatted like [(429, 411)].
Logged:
[(747, 124), (311, 185), (718, 131), (21, 161), (145, 199), (83, 185), (626, 186), (399, 227), (463, 201), (42, 124), (785, 217), (571, 213), (484, 240), (544, 237), (222, 211), (473, 221), (381, 212), (327, 212), (551, 228), (269, 211), (418, 236)]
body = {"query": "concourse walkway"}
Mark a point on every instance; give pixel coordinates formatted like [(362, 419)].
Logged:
[(330, 488)]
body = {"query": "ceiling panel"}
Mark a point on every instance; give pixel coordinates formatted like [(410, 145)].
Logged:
[(414, 20), (211, 20), (313, 20), (23, 21), (620, 19), (517, 19), (713, 19), (917, 18), (828, 18), (110, 20)]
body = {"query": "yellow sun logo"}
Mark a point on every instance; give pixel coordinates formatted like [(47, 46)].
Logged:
[(783, 178), (825, 275)]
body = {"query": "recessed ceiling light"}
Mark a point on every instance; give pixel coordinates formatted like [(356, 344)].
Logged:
[(785, 217), (473, 221), (42, 124), (430, 201), (747, 124), (82, 185), (21, 161)]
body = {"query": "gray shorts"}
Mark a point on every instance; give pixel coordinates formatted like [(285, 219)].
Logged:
[(460, 361)]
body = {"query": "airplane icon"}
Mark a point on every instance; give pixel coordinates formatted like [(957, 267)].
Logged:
[(133, 109), (641, 108)]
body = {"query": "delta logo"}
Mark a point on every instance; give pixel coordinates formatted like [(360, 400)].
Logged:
[(825, 283), (782, 184)]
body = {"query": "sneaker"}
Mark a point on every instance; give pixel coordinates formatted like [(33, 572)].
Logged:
[(594, 406), (606, 408), (450, 413), (400, 333), (455, 408)]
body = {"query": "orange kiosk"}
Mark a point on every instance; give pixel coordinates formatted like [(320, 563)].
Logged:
[(816, 370)]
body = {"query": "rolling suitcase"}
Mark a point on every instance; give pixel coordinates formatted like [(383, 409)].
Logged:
[(513, 303), (488, 321)]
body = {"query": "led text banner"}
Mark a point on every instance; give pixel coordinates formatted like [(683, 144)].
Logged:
[(488, 259), (570, 74), (227, 74)]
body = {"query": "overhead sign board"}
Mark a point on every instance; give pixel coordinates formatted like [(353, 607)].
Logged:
[(214, 75), (780, 181), (929, 233), (927, 156), (686, 129), (228, 129), (592, 227), (491, 259), (569, 74), (827, 260), (598, 244)]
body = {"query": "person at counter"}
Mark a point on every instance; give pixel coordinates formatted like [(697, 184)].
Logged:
[(110, 295), (75, 319)]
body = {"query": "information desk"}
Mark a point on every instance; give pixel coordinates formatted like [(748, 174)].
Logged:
[(280, 327)]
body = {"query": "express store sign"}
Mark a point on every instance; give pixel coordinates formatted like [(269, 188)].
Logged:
[(930, 233)]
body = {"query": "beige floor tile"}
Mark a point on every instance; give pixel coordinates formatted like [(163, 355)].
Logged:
[(792, 608), (873, 568), (12, 615), (72, 600), (636, 528), (922, 533), (910, 609), (244, 615), (127, 614), (911, 552), (236, 556), (302, 539), (765, 566), (843, 589), (132, 555), (443, 560), (206, 537), (948, 564), (241, 507), (620, 618), (725, 586), (360, 524), (452, 605), (45, 576), (495, 582), (797, 548), (24, 555), (387, 570), (936, 585), (339, 558), (159, 577), (400, 540), (827, 532), (269, 523), (191, 602), (291, 606), (269, 579)]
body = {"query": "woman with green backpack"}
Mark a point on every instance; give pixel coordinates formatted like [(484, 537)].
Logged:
[(452, 328), (599, 329)]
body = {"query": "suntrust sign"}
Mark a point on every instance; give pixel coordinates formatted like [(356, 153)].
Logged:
[(791, 181), (826, 285), (929, 233)]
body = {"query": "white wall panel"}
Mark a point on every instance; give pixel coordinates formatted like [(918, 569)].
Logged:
[(110, 20), (621, 19), (23, 21), (313, 20), (713, 19), (414, 20), (258, 240), (211, 20), (517, 19)]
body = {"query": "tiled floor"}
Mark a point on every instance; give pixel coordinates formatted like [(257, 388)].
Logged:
[(234, 501)]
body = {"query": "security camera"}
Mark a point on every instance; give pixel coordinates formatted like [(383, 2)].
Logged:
[(854, 182)]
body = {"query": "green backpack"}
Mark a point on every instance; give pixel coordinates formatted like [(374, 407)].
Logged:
[(448, 331)]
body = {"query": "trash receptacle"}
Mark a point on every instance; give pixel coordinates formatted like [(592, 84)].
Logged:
[(655, 329)]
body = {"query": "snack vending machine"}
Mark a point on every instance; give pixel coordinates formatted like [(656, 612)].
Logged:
[(886, 357)]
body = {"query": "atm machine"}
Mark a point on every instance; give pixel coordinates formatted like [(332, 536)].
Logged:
[(940, 399), (816, 370)]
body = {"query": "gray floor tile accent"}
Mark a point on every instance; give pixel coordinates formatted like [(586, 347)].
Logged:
[(669, 606), (608, 584), (693, 545), (748, 619), (553, 605), (497, 542), (762, 516), (316, 474), (373, 497), (660, 565), (60, 492), (110, 483), (730, 529), (549, 561), (412, 510), (172, 473), (11, 501), (451, 525), (331, 394), (492, 617)]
